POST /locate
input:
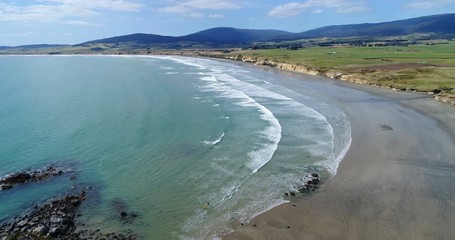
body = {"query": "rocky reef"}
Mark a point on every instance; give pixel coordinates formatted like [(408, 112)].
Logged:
[(57, 218), (14, 179)]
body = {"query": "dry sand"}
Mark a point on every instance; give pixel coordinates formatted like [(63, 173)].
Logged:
[(397, 180)]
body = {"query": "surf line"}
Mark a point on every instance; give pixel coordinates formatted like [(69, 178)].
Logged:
[(272, 134)]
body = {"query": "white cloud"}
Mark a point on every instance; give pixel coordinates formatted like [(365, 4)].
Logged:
[(80, 23), (296, 8), (429, 4), (196, 15), (287, 10), (24, 34), (216, 16), (64, 11), (352, 9), (193, 8)]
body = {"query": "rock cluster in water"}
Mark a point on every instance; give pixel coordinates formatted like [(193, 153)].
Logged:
[(125, 216), (310, 184), (56, 218), (14, 179)]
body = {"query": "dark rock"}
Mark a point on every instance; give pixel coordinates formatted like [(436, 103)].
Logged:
[(6, 186), (55, 232), (123, 214), (56, 219), (43, 230), (292, 193), (310, 183), (22, 223), (29, 176)]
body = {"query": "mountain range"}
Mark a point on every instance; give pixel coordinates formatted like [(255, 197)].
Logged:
[(442, 25), (436, 24)]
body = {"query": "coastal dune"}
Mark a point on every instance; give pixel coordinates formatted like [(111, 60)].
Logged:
[(395, 182)]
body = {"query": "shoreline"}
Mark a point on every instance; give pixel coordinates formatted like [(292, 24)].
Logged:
[(300, 68), (411, 130), (393, 183)]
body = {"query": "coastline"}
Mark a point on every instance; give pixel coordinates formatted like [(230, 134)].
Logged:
[(395, 181), (405, 136), (303, 69)]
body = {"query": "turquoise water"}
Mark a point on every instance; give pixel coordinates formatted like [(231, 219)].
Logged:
[(165, 136)]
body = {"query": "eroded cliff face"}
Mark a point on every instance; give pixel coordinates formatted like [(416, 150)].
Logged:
[(349, 77), (300, 68)]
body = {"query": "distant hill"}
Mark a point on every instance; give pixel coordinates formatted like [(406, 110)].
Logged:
[(234, 35), (34, 46), (221, 37), (211, 37), (438, 24), (137, 38)]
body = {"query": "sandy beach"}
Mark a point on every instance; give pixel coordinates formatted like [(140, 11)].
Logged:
[(396, 181)]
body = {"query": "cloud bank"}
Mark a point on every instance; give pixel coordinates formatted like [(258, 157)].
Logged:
[(296, 8), (63, 11), (198, 8)]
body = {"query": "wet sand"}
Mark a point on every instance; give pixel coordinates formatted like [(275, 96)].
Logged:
[(397, 180)]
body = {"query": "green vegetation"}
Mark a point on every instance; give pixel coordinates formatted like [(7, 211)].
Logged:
[(428, 67), (348, 57)]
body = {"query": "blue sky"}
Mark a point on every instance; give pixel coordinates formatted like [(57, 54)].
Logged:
[(76, 21)]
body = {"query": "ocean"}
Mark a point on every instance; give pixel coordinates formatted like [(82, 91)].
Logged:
[(193, 146)]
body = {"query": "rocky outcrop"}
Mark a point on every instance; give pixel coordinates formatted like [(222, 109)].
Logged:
[(11, 180), (446, 99), (56, 219), (308, 184)]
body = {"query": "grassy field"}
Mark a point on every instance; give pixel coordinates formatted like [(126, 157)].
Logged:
[(429, 68), (345, 57)]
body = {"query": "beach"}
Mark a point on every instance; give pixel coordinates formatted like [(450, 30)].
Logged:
[(395, 182), (261, 129)]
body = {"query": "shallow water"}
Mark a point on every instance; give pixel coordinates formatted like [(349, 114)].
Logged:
[(191, 145)]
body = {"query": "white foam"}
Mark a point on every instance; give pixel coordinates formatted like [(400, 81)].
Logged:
[(215, 142), (258, 157), (238, 199), (228, 86), (167, 68), (182, 60), (339, 145)]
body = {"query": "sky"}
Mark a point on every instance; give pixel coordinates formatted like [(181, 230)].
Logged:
[(76, 21)]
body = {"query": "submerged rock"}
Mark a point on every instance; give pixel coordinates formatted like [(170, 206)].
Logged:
[(122, 209), (55, 219), (11, 180)]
